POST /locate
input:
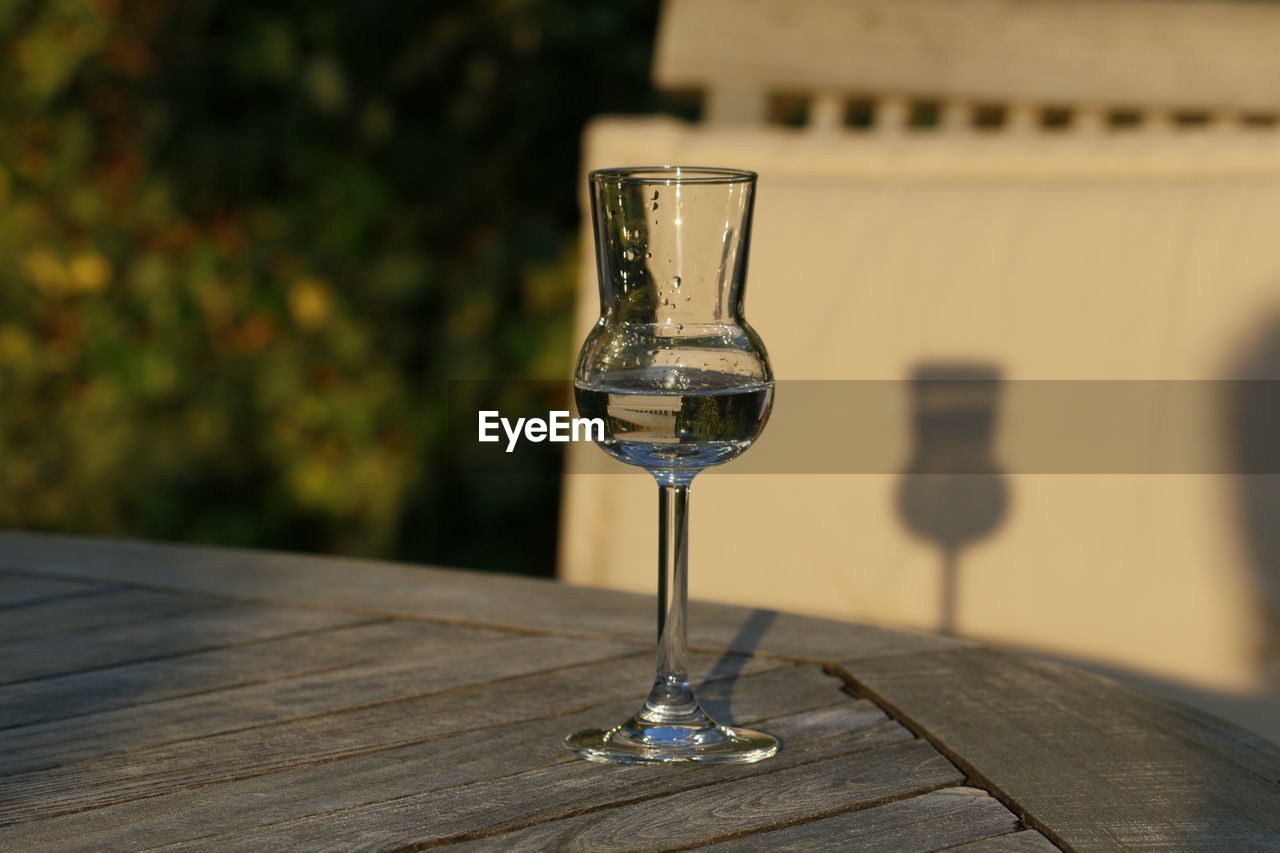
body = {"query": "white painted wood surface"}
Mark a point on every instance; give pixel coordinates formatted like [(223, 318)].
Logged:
[(1175, 54)]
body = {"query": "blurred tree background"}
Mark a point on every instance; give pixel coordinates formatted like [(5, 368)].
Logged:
[(243, 245)]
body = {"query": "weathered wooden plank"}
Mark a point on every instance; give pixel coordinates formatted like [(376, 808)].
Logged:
[(101, 690), (269, 748), (706, 814), (429, 662), (572, 787), (112, 645), (466, 597), (1094, 765), (800, 637), (933, 821), (98, 610), (1027, 841), (1213, 784), (458, 770), (18, 590)]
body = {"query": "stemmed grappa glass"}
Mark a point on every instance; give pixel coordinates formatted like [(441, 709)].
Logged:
[(681, 383)]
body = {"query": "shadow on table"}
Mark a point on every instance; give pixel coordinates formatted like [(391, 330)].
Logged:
[(715, 693)]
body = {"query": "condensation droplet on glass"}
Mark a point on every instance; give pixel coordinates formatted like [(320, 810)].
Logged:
[(655, 195), (648, 254), (680, 327), (655, 207), (675, 283)]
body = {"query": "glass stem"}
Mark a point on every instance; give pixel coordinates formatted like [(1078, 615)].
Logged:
[(671, 699)]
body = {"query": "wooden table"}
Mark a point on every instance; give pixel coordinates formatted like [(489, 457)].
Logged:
[(234, 700)]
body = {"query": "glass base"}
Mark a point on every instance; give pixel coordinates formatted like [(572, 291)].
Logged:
[(638, 741)]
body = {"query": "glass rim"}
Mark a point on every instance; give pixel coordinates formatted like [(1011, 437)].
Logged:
[(673, 175)]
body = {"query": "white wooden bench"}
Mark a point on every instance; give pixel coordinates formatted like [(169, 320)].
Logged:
[(1046, 189)]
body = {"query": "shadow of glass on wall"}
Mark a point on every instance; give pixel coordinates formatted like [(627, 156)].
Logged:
[(952, 493)]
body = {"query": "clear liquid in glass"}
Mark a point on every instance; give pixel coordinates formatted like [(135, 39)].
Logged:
[(659, 419)]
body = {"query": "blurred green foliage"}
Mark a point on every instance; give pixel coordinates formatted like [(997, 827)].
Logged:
[(243, 245)]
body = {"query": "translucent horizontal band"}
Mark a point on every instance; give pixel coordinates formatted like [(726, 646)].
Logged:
[(948, 426)]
